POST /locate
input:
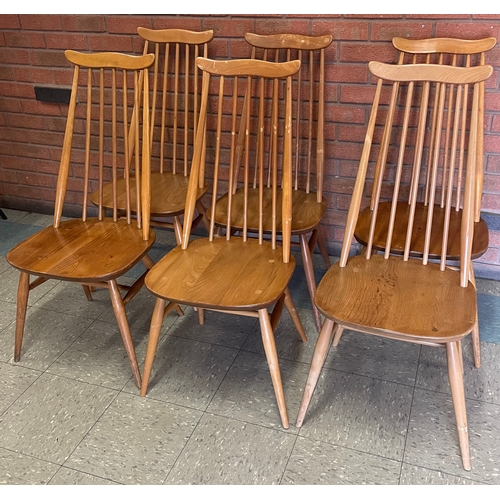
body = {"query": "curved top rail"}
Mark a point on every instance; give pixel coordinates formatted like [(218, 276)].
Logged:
[(289, 41), (444, 45), (173, 35), (109, 60)]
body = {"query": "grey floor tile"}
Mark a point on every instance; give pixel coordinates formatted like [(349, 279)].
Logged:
[(487, 287), (70, 477), (98, 356), (412, 475), (480, 383), (19, 469), (187, 372), (219, 328), (9, 282), (139, 312), (4, 265), (136, 441), (52, 417), (288, 342), (46, 335), (14, 215), (7, 315), (223, 451), (360, 413), (14, 380), (372, 356), (432, 440), (488, 310), (12, 233), (247, 392), (69, 298), (315, 462), (42, 220)]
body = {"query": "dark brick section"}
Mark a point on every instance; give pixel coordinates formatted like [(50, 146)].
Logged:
[(32, 54)]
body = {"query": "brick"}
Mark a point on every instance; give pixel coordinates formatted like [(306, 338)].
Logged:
[(48, 58), (110, 43), (66, 41), (387, 31), (347, 30), (86, 23), (24, 39), (14, 56), (300, 26), (229, 28), (467, 30), (193, 23), (45, 22), (127, 24), (34, 75), (9, 21), (16, 89), (365, 52)]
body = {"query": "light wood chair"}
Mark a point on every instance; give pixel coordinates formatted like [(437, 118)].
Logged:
[(399, 296), (94, 250), (225, 272), (175, 104), (443, 51), (308, 148)]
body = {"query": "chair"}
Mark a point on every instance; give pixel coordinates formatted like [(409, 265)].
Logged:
[(454, 52), (226, 272), (308, 160), (400, 296), (175, 101), (95, 250)]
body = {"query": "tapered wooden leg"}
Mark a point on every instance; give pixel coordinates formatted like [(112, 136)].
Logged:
[(337, 334), (272, 361), (294, 315), (476, 346), (322, 247), (319, 356), (154, 335), (121, 318), (23, 291), (201, 316), (276, 312), (458, 396), (310, 279), (476, 343), (178, 230), (88, 292)]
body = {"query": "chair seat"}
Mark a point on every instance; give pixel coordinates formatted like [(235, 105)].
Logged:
[(306, 211), (80, 251), (221, 274), (168, 194), (479, 244), (407, 300)]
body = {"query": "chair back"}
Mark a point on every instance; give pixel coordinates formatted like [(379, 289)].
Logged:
[(308, 111), (175, 94), (420, 108), (452, 52), (101, 124), (231, 89)]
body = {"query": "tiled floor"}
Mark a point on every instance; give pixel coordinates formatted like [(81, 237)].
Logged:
[(381, 414)]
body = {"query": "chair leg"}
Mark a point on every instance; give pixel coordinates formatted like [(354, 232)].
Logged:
[(272, 361), (23, 291), (458, 396), (121, 318), (320, 352), (322, 247), (337, 335), (289, 304), (154, 335), (476, 343), (88, 292), (310, 279)]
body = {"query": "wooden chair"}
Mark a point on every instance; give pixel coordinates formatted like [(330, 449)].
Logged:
[(94, 250), (399, 296), (308, 159), (175, 100), (226, 272), (444, 51)]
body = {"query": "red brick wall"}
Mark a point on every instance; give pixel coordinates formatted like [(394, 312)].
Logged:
[(31, 52)]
